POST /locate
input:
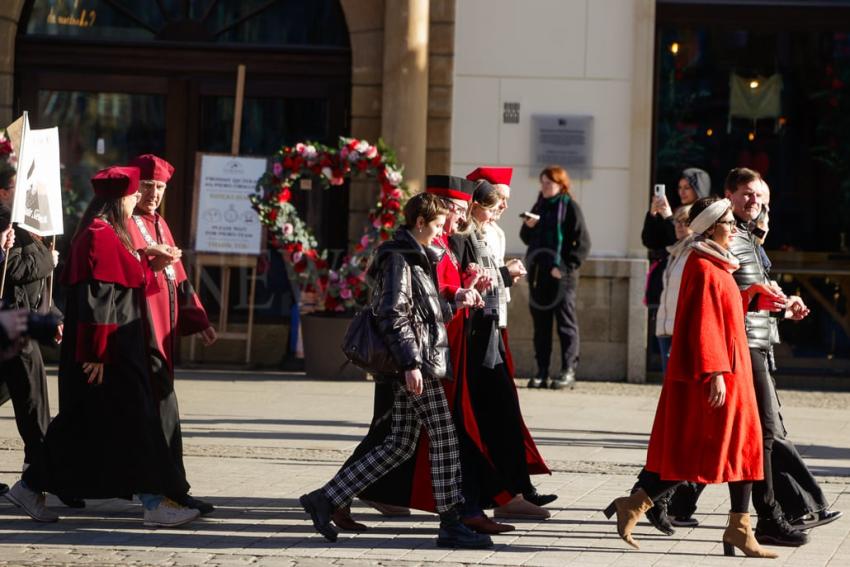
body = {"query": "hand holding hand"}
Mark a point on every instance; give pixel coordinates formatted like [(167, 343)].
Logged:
[(796, 309), (768, 297), (468, 297), (717, 395), (94, 371), (413, 379)]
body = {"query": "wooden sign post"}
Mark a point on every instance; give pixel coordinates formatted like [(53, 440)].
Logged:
[(228, 253)]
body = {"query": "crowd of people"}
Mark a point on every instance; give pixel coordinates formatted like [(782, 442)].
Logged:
[(117, 432), (447, 433)]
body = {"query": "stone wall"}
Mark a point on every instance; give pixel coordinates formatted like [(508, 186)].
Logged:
[(612, 323)]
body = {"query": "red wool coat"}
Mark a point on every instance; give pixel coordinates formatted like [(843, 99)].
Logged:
[(690, 440)]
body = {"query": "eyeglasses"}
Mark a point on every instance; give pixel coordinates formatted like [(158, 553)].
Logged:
[(456, 209)]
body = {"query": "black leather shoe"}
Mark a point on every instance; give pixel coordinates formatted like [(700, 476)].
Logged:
[(320, 509), (540, 381), (72, 501), (685, 521), (657, 516), (205, 508), (777, 531), (453, 533), (816, 519), (566, 379), (539, 499)]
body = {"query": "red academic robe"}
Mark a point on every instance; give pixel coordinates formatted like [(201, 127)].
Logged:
[(175, 309), (410, 483), (690, 440), (106, 440)]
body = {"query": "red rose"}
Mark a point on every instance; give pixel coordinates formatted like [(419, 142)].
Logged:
[(385, 235), (5, 147), (352, 281), (393, 204), (284, 196), (330, 303), (362, 165), (272, 216)]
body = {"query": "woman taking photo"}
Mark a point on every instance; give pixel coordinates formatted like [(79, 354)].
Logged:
[(106, 441), (707, 425), (411, 315), (558, 242)]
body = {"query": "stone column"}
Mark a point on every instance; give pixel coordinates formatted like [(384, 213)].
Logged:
[(404, 114)]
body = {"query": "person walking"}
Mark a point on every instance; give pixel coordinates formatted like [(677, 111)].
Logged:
[(107, 441), (745, 189), (558, 242), (29, 264), (411, 316), (175, 308), (706, 427), (498, 459)]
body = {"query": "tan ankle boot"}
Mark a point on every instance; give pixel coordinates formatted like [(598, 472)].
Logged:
[(739, 534), (629, 511)]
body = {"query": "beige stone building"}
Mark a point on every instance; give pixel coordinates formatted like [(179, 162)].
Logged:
[(449, 84)]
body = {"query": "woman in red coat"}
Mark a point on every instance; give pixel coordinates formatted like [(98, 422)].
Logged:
[(707, 425)]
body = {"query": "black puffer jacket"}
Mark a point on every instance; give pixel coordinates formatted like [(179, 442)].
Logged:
[(752, 271), (30, 264), (411, 313)]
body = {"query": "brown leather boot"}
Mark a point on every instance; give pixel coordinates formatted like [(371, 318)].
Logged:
[(629, 510), (739, 534)]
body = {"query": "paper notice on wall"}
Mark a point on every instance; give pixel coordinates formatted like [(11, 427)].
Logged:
[(225, 222), (38, 189)]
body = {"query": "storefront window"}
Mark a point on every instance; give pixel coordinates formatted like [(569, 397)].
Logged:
[(742, 89), (266, 22), (97, 130)]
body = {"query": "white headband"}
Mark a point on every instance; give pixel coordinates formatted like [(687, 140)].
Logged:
[(710, 215)]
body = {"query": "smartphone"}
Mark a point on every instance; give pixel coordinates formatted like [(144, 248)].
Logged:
[(528, 215), (658, 190)]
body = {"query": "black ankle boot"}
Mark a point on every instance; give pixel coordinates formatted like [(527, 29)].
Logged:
[(453, 533), (566, 379), (320, 509), (657, 516), (540, 381)]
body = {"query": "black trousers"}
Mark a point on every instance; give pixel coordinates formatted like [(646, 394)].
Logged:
[(788, 486), (26, 379), (655, 488), (681, 501), (551, 298)]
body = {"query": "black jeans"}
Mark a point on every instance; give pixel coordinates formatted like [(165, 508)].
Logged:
[(26, 379), (764, 499), (551, 298), (788, 487), (655, 488)]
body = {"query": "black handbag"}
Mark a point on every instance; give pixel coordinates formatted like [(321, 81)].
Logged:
[(365, 347)]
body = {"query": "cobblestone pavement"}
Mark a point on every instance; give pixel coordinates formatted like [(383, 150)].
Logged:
[(256, 441)]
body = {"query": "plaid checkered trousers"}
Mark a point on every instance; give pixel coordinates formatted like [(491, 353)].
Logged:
[(410, 413)]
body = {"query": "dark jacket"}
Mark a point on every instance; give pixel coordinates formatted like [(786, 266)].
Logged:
[(411, 313), (658, 233), (30, 263), (575, 245), (752, 271)]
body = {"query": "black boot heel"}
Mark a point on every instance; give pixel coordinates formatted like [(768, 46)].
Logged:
[(610, 510), (728, 549)]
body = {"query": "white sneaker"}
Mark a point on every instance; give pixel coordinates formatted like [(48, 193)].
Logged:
[(169, 514), (32, 502)]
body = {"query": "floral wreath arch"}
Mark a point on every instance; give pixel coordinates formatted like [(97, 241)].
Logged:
[(345, 287)]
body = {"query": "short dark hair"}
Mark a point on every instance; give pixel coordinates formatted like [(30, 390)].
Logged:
[(423, 205), (740, 176)]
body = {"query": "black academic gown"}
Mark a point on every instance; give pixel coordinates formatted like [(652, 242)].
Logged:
[(107, 440)]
